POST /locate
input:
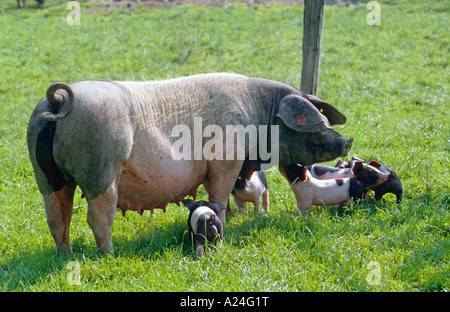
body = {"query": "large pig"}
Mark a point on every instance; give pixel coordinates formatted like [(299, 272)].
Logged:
[(115, 141)]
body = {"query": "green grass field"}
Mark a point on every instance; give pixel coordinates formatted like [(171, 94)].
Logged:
[(391, 81)]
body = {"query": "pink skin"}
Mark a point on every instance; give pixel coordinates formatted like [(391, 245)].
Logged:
[(319, 192), (145, 185)]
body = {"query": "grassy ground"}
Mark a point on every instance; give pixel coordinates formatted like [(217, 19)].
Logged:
[(391, 81)]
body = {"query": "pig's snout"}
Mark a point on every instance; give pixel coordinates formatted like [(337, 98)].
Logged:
[(346, 148)]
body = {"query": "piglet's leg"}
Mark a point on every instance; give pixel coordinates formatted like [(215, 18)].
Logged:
[(241, 206), (256, 205), (265, 201)]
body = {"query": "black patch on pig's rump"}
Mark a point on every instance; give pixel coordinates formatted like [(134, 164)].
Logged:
[(45, 159), (357, 189)]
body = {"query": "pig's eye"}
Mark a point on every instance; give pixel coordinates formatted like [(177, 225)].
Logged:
[(346, 150)]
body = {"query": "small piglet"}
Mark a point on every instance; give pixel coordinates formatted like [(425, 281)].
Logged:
[(310, 191), (391, 185), (204, 224), (365, 173), (250, 187)]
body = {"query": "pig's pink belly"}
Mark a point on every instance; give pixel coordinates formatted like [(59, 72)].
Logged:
[(143, 189)]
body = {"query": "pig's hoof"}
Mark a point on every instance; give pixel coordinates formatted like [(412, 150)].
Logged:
[(200, 251)]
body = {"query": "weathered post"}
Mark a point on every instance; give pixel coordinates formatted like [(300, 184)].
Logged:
[(312, 45)]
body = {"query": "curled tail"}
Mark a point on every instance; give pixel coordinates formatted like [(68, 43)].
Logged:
[(61, 102), (60, 97)]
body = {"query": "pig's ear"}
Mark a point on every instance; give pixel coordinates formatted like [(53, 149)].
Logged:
[(357, 166), (334, 116), (300, 115), (189, 203), (375, 164), (215, 206)]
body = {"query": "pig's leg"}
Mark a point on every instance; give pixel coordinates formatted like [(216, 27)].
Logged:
[(302, 205), (100, 217), (222, 175), (265, 201), (58, 210), (241, 206), (228, 211), (256, 205)]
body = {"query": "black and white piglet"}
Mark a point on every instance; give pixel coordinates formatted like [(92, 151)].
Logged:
[(310, 191), (251, 187), (391, 185), (204, 224)]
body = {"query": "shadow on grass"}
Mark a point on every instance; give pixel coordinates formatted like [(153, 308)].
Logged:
[(153, 243), (34, 266), (31, 267)]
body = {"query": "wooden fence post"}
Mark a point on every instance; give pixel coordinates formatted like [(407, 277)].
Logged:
[(312, 45)]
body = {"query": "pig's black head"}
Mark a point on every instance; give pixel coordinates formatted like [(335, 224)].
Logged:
[(367, 174), (306, 132), (391, 185)]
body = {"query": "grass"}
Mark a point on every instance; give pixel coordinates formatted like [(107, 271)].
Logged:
[(391, 81)]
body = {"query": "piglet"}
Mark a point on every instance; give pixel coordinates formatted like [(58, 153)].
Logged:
[(204, 224), (310, 191), (365, 173), (250, 187), (347, 164), (391, 185)]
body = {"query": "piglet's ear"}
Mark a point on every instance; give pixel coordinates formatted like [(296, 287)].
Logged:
[(357, 166), (215, 206), (375, 164), (189, 203)]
